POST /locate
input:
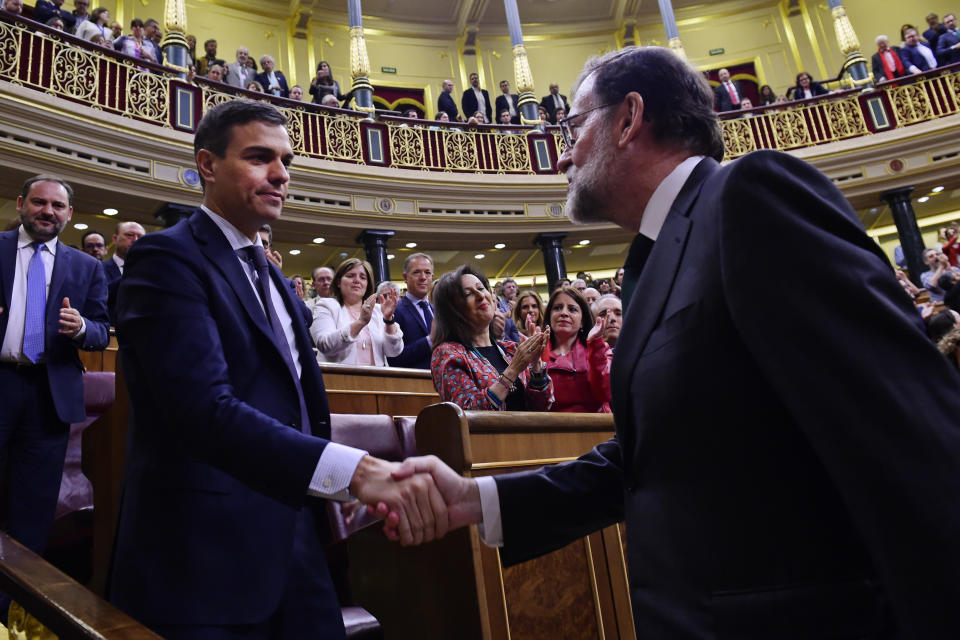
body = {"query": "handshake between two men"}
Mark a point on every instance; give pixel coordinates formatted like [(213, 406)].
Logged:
[(420, 499)]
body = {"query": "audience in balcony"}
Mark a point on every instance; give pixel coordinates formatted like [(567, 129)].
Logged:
[(728, 94), (445, 102), (767, 95), (96, 25), (80, 13), (272, 80), (915, 55), (527, 312), (886, 61), (807, 88), (508, 102), (356, 326), (209, 58), (254, 86), (330, 100), (55, 22), (940, 275), (137, 45), (542, 114), (323, 84), (475, 99), (296, 92), (237, 73), (948, 44), (415, 313), (553, 101), (932, 34), (43, 10), (610, 309), (152, 32), (469, 366), (215, 73), (477, 118), (116, 30), (578, 367)]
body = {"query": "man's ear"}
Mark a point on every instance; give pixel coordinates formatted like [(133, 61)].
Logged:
[(206, 164), (631, 119)]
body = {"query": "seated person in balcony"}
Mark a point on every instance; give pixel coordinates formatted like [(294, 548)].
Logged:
[(215, 73), (356, 326), (415, 313), (237, 73), (323, 84), (542, 114), (137, 45), (916, 56), (609, 308), (46, 9), (579, 368), (56, 22), (255, 86), (330, 101), (477, 118), (948, 44), (937, 264), (807, 88), (886, 61), (296, 93), (272, 79), (767, 95), (97, 24), (13, 6), (472, 369), (445, 102)]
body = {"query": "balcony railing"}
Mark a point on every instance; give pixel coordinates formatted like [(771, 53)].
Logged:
[(32, 55)]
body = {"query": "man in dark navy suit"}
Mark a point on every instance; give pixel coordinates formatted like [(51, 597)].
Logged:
[(53, 301), (414, 313), (223, 511), (507, 101), (476, 99), (126, 234), (273, 81), (787, 450)]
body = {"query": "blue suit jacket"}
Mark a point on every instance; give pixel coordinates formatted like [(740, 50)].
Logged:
[(776, 477), (416, 347), (217, 465), (113, 283), (946, 55), (446, 104), (912, 56), (281, 80), (76, 276)]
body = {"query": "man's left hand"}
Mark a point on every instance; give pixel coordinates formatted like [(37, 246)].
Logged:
[(70, 320)]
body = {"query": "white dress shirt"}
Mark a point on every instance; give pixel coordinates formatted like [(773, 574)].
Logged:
[(481, 103), (117, 260), (654, 215), (11, 349), (338, 463)]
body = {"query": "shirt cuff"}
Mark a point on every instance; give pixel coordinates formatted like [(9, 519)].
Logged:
[(83, 330), (491, 529), (331, 479)]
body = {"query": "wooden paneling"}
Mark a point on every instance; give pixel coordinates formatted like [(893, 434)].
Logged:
[(387, 390)]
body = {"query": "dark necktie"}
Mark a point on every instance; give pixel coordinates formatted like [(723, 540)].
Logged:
[(636, 258), (33, 319), (254, 254), (427, 314)]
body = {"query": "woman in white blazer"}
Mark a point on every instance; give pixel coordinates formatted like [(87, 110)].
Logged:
[(356, 326)]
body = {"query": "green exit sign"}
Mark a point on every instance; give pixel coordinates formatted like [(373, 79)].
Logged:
[(388, 69), (717, 52)]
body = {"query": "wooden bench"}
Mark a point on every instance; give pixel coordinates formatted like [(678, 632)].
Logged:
[(456, 587), (387, 390)]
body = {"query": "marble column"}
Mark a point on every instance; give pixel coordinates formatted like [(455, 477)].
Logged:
[(359, 62), (855, 65), (174, 43), (523, 77), (375, 246), (551, 244), (910, 239), (670, 26)]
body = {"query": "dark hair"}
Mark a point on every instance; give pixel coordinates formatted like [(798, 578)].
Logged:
[(676, 97), (518, 318), (586, 316), (91, 232), (940, 324), (947, 280), (136, 22), (416, 256), (206, 42), (801, 74), (767, 98), (150, 21), (328, 80), (95, 15), (264, 227), (46, 177), (53, 19), (449, 322), (341, 271), (216, 127)]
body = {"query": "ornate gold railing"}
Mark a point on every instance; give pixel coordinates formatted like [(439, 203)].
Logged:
[(32, 55), (853, 113)]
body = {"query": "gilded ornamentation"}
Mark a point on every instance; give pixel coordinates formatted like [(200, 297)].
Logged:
[(846, 36), (212, 98), (175, 15), (295, 129), (147, 96), (845, 118), (677, 47), (560, 143), (359, 62), (343, 138), (521, 69), (738, 137), (9, 48), (406, 146), (461, 150), (911, 103), (512, 152), (790, 129), (75, 73)]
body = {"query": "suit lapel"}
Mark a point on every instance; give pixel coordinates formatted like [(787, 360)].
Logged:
[(62, 266), (650, 296), (8, 264), (214, 245), (411, 310)]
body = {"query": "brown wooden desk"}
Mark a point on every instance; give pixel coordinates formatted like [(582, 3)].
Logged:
[(388, 390)]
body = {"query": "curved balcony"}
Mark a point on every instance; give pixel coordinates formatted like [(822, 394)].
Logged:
[(112, 124)]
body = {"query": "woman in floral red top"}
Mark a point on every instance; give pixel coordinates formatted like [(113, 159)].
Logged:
[(469, 367), (579, 367)]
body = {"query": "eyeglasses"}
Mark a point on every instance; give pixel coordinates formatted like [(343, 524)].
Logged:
[(566, 125)]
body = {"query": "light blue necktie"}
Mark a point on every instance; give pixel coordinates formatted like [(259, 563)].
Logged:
[(33, 320)]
